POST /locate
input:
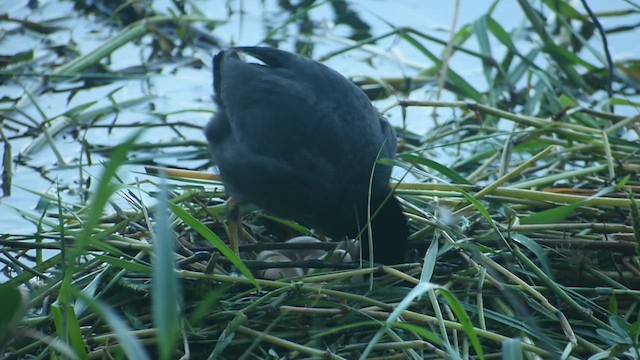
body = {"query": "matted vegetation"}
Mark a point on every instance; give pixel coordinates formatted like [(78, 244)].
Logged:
[(522, 197)]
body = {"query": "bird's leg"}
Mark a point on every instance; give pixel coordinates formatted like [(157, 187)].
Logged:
[(234, 225)]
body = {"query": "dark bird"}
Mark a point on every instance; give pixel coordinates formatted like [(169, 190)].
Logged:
[(301, 141)]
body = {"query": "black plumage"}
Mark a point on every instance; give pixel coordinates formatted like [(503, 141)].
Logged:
[(301, 141)]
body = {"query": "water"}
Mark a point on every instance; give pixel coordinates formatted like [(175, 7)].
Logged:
[(182, 91)]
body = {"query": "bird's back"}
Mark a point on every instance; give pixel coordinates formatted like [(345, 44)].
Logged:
[(297, 138)]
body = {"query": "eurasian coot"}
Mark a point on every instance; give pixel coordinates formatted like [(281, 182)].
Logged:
[(301, 141)]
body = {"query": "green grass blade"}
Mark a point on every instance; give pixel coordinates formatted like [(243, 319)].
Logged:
[(214, 239), (165, 289)]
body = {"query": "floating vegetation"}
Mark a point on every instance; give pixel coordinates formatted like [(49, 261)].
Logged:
[(521, 187)]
